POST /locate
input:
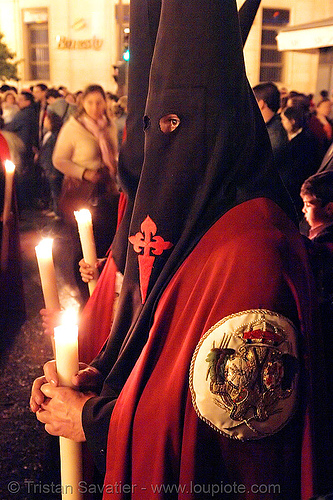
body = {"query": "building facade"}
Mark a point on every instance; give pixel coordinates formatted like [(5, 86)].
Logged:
[(65, 42), (293, 69), (76, 42)]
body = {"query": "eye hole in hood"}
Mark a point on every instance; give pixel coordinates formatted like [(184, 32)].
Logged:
[(169, 123), (146, 122)]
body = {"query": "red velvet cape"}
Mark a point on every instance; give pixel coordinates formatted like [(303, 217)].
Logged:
[(252, 257)]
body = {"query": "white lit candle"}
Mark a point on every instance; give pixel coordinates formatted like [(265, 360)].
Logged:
[(66, 344), (47, 273), (9, 179), (84, 222), (67, 361)]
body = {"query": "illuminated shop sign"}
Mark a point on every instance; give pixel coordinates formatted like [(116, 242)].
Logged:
[(65, 43)]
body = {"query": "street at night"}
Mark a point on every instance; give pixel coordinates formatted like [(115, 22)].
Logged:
[(28, 455)]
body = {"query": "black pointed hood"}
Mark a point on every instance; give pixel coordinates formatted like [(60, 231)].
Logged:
[(218, 156), (247, 13)]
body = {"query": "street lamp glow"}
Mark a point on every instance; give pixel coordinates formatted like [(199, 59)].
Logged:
[(126, 55)]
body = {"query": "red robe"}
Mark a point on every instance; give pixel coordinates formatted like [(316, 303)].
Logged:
[(252, 257), (90, 339)]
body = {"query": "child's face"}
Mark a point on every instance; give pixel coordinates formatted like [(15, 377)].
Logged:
[(314, 213)]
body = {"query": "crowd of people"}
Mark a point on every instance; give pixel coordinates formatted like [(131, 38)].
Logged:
[(32, 119), (66, 156), (213, 370), (300, 132)]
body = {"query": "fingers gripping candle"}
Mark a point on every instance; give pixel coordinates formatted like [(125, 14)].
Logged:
[(84, 221)]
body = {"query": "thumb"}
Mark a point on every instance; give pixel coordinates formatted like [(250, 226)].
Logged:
[(48, 390)]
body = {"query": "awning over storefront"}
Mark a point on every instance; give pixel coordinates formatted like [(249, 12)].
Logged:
[(306, 36)]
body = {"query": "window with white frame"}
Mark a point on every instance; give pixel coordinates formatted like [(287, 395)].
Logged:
[(271, 60), (37, 44)]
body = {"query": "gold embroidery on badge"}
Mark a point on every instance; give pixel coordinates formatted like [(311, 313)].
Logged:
[(244, 373)]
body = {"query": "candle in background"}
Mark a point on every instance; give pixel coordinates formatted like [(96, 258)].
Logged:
[(84, 222), (47, 273), (7, 207), (48, 277), (67, 361), (9, 179)]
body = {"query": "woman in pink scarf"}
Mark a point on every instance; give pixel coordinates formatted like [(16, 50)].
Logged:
[(86, 153)]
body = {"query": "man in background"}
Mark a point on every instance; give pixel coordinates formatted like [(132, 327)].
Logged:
[(24, 125), (39, 93), (268, 97)]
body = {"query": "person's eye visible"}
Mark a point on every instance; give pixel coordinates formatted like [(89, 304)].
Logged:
[(169, 123)]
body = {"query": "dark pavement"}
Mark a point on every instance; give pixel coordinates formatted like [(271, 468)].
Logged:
[(29, 467)]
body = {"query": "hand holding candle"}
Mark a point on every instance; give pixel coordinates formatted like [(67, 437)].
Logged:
[(84, 221)]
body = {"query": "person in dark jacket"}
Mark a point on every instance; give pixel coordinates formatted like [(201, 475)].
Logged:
[(52, 124), (268, 97), (327, 162), (303, 152), (24, 124)]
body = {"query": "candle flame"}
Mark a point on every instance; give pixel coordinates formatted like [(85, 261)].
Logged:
[(44, 247), (69, 317), (9, 166), (67, 331), (82, 215)]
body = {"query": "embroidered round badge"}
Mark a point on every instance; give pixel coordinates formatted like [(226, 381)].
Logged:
[(244, 374)]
